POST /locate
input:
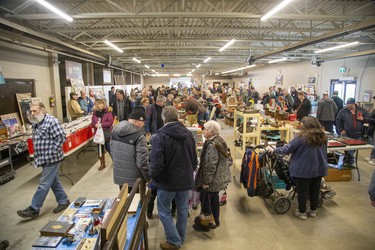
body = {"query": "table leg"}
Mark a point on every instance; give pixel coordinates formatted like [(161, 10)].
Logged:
[(63, 174), (356, 165)]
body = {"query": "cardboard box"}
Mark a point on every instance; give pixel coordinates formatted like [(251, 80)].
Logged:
[(336, 174)]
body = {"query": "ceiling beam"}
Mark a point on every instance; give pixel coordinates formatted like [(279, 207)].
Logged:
[(183, 40), (240, 15)]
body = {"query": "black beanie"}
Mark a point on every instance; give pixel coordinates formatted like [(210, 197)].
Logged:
[(138, 114)]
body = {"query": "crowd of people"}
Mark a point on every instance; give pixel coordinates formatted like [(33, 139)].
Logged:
[(171, 168)]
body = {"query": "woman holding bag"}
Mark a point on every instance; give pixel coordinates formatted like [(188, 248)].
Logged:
[(213, 175), (102, 116)]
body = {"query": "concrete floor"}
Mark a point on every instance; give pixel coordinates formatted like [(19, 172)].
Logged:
[(346, 222)]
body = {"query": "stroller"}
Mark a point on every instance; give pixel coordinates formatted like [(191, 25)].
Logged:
[(279, 164)]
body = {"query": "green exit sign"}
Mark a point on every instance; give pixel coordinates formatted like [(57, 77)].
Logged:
[(342, 70)]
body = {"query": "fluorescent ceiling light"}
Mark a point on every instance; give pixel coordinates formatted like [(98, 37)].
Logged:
[(216, 74), (207, 59), (336, 47), (227, 45), (276, 9), (193, 70), (278, 60), (136, 60), (188, 74), (153, 70), (176, 74), (113, 46), (198, 66), (147, 66), (234, 70), (54, 9), (157, 74)]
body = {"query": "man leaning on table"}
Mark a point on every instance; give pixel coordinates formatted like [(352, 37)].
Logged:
[(48, 137)]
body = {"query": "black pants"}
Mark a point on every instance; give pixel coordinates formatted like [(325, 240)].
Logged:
[(210, 204), (308, 187), (151, 203), (328, 125)]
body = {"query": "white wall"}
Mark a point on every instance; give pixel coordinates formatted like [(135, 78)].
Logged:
[(23, 63)]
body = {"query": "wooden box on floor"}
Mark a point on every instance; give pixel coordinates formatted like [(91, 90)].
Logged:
[(336, 174)]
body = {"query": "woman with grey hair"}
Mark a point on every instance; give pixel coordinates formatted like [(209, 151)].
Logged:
[(213, 174)]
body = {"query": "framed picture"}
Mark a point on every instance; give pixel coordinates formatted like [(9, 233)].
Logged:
[(279, 80), (367, 94), (24, 102), (311, 79), (13, 123)]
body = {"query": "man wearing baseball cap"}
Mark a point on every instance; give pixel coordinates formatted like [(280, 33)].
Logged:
[(349, 123), (129, 150)]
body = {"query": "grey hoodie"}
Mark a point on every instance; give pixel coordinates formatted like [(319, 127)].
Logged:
[(327, 109), (129, 153)]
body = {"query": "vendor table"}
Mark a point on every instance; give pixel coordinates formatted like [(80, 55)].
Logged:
[(355, 148)]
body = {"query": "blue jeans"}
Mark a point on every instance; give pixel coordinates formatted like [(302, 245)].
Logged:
[(49, 179), (371, 141), (174, 234)]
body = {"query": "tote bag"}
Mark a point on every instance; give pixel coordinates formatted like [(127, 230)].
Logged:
[(99, 136)]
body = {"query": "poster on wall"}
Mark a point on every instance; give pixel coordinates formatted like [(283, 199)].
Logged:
[(13, 124), (96, 93), (24, 103), (279, 80), (107, 77), (119, 79), (367, 96), (77, 85), (73, 70), (2, 79), (311, 80)]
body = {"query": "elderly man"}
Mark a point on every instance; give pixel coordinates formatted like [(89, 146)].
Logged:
[(153, 116), (173, 160), (129, 150), (85, 102), (326, 112), (48, 137), (349, 123)]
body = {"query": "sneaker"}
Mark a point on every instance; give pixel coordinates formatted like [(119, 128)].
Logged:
[(61, 207), (28, 213), (372, 162), (311, 213), (168, 246), (301, 216), (368, 158)]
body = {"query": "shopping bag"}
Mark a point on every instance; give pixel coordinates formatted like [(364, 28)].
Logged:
[(99, 136)]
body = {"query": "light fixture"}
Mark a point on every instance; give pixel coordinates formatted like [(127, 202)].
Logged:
[(216, 74), (113, 46), (278, 60), (207, 59), (153, 70), (188, 74), (54, 9), (276, 9), (336, 47), (157, 74), (147, 66), (136, 60), (233, 70), (193, 70), (176, 75), (227, 45), (198, 66)]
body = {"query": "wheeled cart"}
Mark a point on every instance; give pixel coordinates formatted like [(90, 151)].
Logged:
[(6, 162)]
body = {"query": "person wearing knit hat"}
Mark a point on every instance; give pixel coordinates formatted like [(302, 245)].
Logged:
[(349, 123), (128, 137)]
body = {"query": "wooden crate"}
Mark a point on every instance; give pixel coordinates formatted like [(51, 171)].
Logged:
[(336, 174)]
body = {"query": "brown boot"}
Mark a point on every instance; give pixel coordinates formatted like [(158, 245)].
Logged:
[(102, 162)]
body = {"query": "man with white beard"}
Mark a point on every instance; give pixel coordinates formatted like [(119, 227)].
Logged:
[(48, 137)]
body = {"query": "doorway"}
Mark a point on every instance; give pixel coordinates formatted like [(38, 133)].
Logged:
[(346, 88)]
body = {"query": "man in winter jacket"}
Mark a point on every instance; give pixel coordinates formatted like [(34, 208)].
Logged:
[(349, 123), (326, 112), (304, 107), (153, 116), (173, 160), (129, 150), (340, 105)]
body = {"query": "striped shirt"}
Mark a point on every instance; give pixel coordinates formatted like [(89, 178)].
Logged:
[(48, 137)]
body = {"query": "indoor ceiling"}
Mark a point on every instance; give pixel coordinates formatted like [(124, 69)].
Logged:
[(181, 34)]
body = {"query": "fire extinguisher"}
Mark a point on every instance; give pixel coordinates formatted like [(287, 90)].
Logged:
[(52, 101)]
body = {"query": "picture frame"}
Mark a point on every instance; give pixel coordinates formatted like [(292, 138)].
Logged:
[(367, 94), (24, 102), (279, 80), (13, 124), (311, 80)]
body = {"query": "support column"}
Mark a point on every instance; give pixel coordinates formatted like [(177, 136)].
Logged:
[(55, 85)]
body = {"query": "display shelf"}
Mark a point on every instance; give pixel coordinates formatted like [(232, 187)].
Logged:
[(4, 162), (285, 132)]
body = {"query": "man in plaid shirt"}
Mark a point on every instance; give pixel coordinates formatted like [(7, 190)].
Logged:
[(48, 137)]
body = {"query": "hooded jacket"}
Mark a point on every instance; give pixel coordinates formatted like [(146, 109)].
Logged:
[(173, 158), (327, 109), (214, 167), (129, 154)]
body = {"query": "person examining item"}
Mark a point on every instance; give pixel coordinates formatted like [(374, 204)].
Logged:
[(129, 150), (173, 160), (350, 121), (213, 174), (74, 109), (48, 137), (154, 120), (326, 112), (85, 102), (308, 164), (122, 106), (103, 117)]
